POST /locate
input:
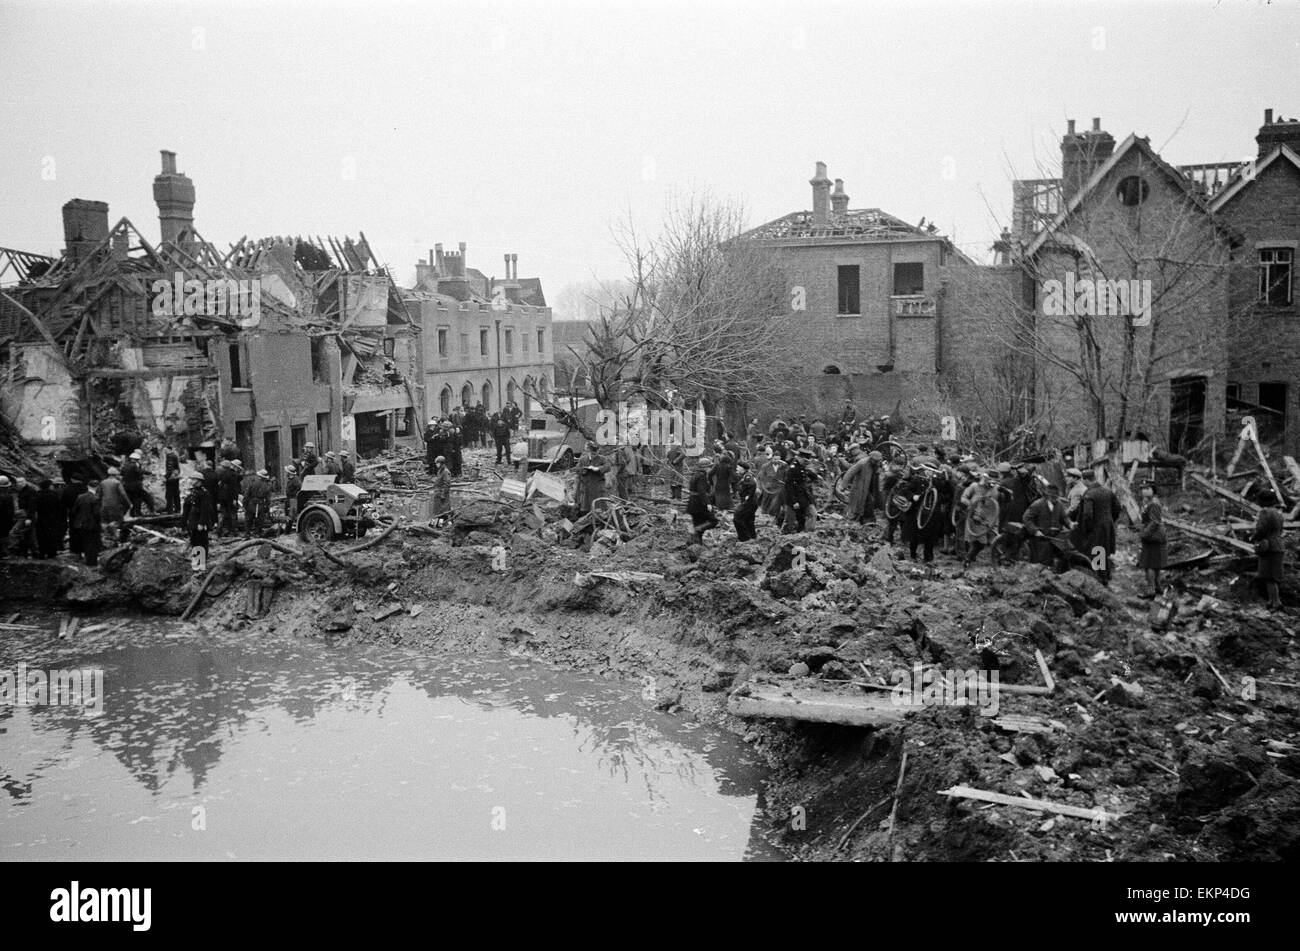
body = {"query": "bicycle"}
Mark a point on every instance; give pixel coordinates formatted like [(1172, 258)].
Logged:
[(899, 503)]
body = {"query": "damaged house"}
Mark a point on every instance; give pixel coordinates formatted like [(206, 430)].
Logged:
[(275, 343)]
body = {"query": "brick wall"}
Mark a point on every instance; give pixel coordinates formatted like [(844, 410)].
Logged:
[(1264, 341), (1189, 319)]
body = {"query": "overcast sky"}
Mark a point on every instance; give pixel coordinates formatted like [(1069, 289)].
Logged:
[(532, 127)]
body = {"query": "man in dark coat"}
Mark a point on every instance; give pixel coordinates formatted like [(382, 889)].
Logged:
[(798, 494), (172, 481), (721, 478), (1099, 509), (85, 523), (347, 471), (71, 492), (676, 459), (697, 502), (1047, 524), (747, 494), (198, 514), (292, 486), (256, 489), (501, 437), (862, 480), (454, 450), (51, 520), (309, 459), (228, 492), (133, 483), (592, 467)]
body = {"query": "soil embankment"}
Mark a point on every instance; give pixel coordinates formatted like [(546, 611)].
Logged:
[(1179, 733)]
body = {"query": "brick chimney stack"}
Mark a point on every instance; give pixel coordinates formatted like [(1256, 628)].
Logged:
[(174, 195), (85, 224), (1081, 155), (1280, 132), (821, 186), (839, 200), (451, 273)]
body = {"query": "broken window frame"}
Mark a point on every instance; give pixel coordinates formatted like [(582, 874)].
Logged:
[(1276, 270), (899, 288), (848, 290)]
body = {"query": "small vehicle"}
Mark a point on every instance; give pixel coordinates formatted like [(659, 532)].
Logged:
[(328, 509), (552, 448)]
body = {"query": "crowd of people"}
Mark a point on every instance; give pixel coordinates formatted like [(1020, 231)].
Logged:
[(930, 499), (463, 428), (82, 514), (934, 499)]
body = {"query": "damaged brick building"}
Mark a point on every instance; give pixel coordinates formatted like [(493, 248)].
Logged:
[(270, 345), (484, 340), (1217, 243), (868, 316)]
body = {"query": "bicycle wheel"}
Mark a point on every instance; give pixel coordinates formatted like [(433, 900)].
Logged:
[(892, 452), (925, 511), (897, 505)]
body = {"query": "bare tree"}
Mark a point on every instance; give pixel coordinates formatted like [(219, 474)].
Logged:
[(695, 322)]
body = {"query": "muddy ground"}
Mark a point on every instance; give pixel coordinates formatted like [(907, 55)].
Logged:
[(1141, 722)]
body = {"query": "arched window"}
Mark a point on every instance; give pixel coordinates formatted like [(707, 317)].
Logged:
[(530, 387), (444, 400), (487, 395), (543, 387), (831, 369), (512, 392), (467, 396)]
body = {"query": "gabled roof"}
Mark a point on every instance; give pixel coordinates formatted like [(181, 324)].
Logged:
[(1142, 145), (1251, 172), (868, 223)]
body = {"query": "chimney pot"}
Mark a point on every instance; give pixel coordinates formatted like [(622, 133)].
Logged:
[(1070, 128), (821, 186), (1096, 125), (1268, 117), (168, 162)]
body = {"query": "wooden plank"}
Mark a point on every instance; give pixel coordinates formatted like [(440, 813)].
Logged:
[(1017, 723), (1119, 485), (1268, 470), (1236, 456), (1025, 802), (1223, 493), (814, 706), (1197, 531)]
